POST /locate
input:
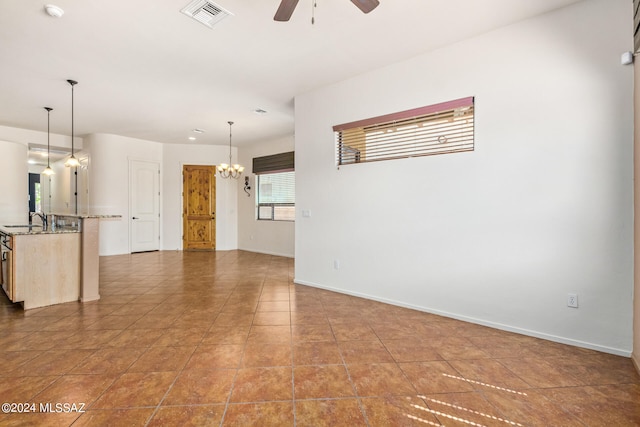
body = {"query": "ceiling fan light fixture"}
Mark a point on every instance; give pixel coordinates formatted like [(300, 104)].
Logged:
[(366, 6), (285, 10)]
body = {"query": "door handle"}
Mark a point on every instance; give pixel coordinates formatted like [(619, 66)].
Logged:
[(213, 216), (135, 217)]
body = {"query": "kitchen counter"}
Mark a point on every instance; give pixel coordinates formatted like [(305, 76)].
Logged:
[(40, 268), (53, 264), (62, 223), (36, 229), (86, 216)]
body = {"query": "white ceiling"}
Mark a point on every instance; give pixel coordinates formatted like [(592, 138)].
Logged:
[(147, 71)]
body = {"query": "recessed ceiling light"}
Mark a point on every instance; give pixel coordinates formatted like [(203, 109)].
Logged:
[(192, 138), (260, 111), (196, 130), (53, 10)]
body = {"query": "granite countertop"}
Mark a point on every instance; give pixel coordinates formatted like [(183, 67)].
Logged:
[(35, 229), (22, 229), (85, 216)]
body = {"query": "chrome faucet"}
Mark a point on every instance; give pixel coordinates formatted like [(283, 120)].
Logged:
[(42, 216)]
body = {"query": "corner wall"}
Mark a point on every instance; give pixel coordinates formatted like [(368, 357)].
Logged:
[(109, 157), (636, 169), (270, 237), (499, 236), (14, 183)]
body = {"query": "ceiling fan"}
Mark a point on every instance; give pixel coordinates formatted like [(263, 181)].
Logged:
[(286, 8)]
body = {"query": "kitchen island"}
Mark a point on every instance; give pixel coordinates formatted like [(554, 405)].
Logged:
[(52, 263)]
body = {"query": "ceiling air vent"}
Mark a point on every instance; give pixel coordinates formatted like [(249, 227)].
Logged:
[(205, 12)]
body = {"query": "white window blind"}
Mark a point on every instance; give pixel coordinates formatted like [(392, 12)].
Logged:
[(276, 186), (436, 129), (276, 196)]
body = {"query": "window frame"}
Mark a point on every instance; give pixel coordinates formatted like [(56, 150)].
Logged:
[(442, 128), (271, 165)]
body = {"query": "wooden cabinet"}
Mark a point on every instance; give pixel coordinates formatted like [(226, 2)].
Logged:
[(44, 269), (6, 278)]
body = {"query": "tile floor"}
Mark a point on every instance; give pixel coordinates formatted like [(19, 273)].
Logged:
[(226, 338)]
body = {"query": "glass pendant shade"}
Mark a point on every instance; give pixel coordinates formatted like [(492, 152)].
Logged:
[(72, 162)]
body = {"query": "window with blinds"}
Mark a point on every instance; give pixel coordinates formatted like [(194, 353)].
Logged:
[(275, 184), (436, 129)]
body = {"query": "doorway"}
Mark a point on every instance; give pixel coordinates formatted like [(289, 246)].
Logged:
[(144, 205), (34, 193), (198, 207)]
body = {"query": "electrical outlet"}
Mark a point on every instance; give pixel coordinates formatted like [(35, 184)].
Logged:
[(336, 264), (572, 300)]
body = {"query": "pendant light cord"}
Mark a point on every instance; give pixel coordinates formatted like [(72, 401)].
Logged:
[(72, 83), (230, 124), (48, 133)]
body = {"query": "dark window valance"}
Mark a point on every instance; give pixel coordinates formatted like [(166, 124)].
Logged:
[(283, 162)]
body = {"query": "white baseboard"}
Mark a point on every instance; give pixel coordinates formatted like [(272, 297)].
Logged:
[(495, 325), (266, 252)]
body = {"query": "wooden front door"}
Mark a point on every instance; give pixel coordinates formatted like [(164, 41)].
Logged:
[(199, 203)]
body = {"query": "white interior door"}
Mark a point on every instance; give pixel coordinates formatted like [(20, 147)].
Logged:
[(144, 184)]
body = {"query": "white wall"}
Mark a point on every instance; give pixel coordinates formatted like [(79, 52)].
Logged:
[(57, 190), (501, 235), (14, 183), (26, 136), (177, 155), (60, 187), (14, 179), (109, 157), (270, 237)]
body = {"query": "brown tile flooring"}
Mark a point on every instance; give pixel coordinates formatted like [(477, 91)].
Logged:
[(227, 339)]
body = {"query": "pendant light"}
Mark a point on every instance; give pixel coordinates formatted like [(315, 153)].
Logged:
[(228, 170), (72, 161), (48, 170)]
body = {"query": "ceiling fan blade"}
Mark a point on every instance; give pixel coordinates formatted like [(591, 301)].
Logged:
[(366, 5), (285, 10)]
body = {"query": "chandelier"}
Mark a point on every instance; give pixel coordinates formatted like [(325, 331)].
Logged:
[(229, 170)]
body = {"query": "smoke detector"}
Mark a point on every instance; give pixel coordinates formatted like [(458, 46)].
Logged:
[(206, 12), (53, 10)]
